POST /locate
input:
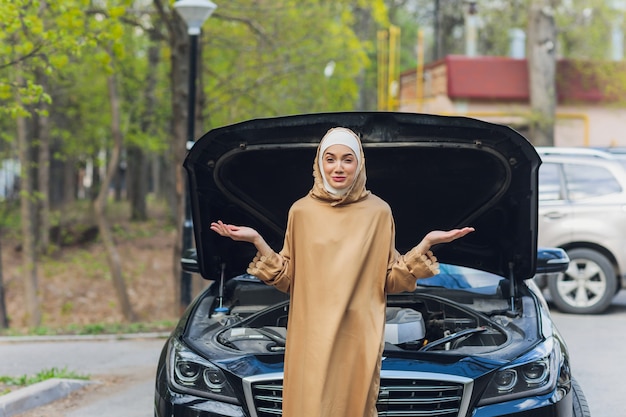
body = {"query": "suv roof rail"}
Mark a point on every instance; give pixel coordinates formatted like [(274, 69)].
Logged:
[(573, 151)]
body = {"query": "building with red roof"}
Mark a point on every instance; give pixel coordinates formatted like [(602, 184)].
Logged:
[(497, 89)]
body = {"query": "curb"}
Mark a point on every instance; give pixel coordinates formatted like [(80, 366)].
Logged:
[(70, 338), (38, 394)]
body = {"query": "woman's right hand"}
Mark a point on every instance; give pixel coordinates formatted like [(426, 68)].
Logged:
[(239, 233)]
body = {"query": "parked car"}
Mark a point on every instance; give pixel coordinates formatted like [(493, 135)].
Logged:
[(582, 209), (476, 340), (619, 152)]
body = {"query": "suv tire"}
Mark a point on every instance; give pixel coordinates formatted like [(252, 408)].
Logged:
[(581, 407), (588, 285)]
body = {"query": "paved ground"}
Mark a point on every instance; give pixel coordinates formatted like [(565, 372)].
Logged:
[(121, 374), (596, 345), (123, 370)]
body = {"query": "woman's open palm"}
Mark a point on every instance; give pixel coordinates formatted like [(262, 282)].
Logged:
[(440, 236), (239, 233)]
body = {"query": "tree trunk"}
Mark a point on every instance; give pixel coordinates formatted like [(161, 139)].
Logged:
[(27, 213), (155, 175), (542, 71), (118, 181), (365, 29), (180, 49), (43, 172), (113, 256), (138, 173), (4, 319), (137, 186)]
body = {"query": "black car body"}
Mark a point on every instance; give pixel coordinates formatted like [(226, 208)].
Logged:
[(476, 340)]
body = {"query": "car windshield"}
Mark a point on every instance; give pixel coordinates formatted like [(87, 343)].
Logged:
[(459, 277)]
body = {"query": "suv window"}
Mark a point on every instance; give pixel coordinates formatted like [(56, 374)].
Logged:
[(550, 182), (581, 181), (584, 181)]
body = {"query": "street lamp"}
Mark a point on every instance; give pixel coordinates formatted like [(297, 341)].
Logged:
[(194, 13)]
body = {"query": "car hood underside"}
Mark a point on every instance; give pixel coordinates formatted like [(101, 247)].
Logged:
[(435, 172)]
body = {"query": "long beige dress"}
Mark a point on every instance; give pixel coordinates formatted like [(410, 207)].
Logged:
[(338, 263)]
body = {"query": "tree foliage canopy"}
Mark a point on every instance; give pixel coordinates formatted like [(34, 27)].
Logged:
[(256, 59)]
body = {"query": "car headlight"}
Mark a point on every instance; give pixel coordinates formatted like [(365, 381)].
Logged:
[(190, 373), (531, 377)]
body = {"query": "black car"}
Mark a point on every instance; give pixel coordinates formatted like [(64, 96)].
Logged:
[(476, 340)]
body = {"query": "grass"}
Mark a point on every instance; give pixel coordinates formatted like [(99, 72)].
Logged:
[(10, 383), (95, 329)]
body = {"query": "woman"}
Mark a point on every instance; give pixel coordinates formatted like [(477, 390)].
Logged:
[(338, 262)]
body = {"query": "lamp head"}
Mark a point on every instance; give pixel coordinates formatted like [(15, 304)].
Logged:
[(194, 13)]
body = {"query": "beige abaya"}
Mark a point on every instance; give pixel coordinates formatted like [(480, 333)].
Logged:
[(338, 263)]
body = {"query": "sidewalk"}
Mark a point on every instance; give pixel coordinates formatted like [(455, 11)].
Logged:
[(27, 355)]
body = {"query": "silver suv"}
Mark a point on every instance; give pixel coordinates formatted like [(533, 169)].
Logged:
[(582, 209)]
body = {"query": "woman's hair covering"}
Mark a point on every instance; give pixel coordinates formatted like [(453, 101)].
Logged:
[(321, 189)]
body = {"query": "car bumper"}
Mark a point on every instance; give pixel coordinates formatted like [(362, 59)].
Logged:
[(538, 406), (170, 403)]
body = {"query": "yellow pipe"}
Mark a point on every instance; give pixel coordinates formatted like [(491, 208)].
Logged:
[(383, 75), (419, 75), (394, 60)]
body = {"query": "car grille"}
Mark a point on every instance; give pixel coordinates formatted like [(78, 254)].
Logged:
[(402, 394)]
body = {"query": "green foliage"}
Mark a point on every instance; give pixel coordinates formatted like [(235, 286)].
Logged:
[(267, 59), (9, 217), (29, 35), (259, 59), (585, 29)]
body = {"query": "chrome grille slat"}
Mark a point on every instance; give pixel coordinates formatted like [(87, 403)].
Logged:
[(417, 413), (270, 411), (402, 394), (420, 401), (422, 388), (268, 398), (269, 387)]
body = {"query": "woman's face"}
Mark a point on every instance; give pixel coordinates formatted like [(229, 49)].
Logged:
[(339, 164)]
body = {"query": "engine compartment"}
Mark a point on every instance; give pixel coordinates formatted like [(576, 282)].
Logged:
[(416, 323)]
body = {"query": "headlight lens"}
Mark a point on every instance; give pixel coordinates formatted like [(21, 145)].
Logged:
[(192, 374), (530, 378)]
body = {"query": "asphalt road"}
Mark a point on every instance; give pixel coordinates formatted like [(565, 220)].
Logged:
[(122, 372), (596, 344), (125, 369)]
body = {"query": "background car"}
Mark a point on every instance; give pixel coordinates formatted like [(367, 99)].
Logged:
[(582, 209), (476, 340)]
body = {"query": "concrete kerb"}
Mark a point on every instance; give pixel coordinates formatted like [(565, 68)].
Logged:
[(38, 394), (69, 338)]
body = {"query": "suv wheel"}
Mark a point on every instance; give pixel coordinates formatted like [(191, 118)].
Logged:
[(588, 285), (581, 407)]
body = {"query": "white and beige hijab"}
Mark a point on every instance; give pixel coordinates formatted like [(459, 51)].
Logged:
[(322, 190)]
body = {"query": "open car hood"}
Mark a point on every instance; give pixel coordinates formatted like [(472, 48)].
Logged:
[(436, 172)]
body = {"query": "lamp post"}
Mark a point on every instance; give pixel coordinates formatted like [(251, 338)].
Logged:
[(194, 13)]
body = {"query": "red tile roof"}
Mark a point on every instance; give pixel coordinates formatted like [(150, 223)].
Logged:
[(506, 79), (487, 78)]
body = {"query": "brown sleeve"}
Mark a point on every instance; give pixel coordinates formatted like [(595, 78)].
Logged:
[(405, 270)]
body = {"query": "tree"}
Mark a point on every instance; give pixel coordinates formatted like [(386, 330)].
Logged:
[(541, 71), (113, 256), (4, 319), (27, 213), (25, 44)]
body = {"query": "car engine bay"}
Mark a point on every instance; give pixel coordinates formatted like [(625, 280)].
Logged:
[(430, 324)]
